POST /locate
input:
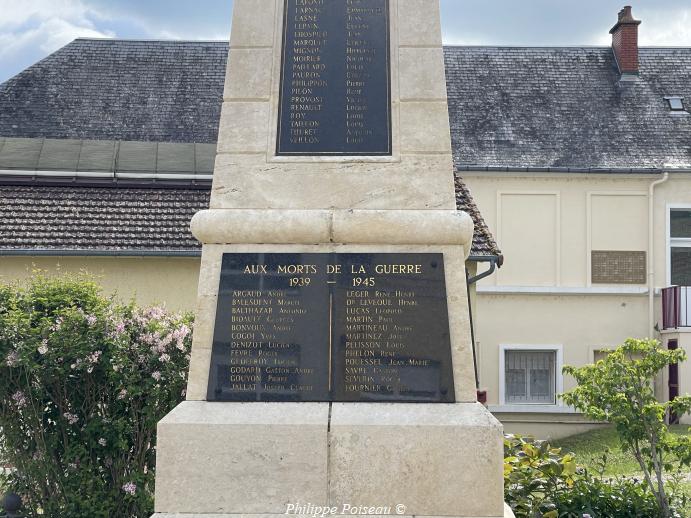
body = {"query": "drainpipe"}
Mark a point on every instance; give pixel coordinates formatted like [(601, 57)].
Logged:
[(651, 253)]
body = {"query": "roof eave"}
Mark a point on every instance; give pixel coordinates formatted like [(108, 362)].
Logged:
[(578, 170), (49, 252)]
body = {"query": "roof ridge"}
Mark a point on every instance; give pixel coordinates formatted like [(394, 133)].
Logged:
[(146, 40), (529, 46), (603, 47)]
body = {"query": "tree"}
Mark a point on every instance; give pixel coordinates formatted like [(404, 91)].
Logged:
[(619, 390)]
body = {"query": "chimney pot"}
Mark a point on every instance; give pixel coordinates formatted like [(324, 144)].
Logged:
[(625, 42)]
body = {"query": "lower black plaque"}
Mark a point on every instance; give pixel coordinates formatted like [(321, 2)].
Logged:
[(332, 327)]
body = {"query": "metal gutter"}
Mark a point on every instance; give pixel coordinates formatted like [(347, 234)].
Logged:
[(651, 252), (495, 261), (107, 175), (580, 170), (97, 253), (472, 331)]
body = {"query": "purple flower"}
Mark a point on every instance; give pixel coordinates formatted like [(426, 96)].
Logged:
[(19, 399), (91, 320), (94, 357), (71, 418), (130, 488), (12, 358), (57, 325), (120, 328), (165, 358), (156, 375), (155, 313)]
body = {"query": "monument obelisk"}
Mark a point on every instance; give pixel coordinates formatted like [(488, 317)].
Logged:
[(332, 363)]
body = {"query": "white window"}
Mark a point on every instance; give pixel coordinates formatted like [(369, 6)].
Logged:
[(530, 375), (680, 246)]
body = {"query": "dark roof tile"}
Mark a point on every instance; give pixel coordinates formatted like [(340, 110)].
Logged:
[(161, 91), (98, 218), (565, 108)]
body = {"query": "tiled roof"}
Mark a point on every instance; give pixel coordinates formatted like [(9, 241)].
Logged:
[(510, 107), (483, 241), (40, 217), (43, 217), (92, 94), (565, 108), (161, 91)]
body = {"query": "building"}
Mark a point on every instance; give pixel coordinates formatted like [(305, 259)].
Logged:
[(578, 158), (580, 161)]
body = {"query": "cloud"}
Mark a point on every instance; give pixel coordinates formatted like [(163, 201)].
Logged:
[(47, 36), (665, 28), (32, 29)]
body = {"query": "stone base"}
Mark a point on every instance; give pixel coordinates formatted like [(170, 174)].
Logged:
[(241, 459)]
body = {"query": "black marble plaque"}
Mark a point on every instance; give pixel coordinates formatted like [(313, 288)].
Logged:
[(335, 94), (332, 327), (391, 329)]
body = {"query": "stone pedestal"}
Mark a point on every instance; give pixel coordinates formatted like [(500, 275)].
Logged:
[(256, 458), (230, 459)]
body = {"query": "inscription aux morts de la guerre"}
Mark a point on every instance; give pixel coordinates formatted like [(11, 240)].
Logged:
[(335, 94), (332, 327)]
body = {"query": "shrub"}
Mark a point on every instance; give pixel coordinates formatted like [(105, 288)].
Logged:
[(542, 482), (83, 382), (619, 390), (534, 473)]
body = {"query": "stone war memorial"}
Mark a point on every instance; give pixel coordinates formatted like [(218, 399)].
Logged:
[(332, 369)]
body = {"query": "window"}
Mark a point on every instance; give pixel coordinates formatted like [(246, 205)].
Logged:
[(531, 375), (601, 354), (676, 104), (680, 247)]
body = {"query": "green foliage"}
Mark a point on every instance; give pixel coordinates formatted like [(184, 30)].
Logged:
[(542, 482), (83, 382), (619, 390), (533, 473)]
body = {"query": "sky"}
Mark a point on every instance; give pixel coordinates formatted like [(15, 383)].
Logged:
[(32, 29)]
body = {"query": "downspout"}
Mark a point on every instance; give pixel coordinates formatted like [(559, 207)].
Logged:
[(472, 330), (651, 253)]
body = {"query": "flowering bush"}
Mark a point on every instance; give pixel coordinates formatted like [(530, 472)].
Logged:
[(83, 382)]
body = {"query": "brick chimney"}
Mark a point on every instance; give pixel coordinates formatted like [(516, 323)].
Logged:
[(625, 42)]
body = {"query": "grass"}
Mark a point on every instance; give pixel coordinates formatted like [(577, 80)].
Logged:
[(589, 448)]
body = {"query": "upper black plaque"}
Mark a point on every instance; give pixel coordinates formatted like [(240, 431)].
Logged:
[(335, 97), (332, 327)]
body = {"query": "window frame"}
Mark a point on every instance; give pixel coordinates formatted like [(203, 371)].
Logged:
[(677, 242), (558, 376)]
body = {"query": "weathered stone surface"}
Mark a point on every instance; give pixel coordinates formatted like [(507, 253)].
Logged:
[(402, 227), (249, 74), (422, 74), (248, 137), (241, 458), (425, 127), (419, 23), (253, 23), (415, 182), (431, 458)]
